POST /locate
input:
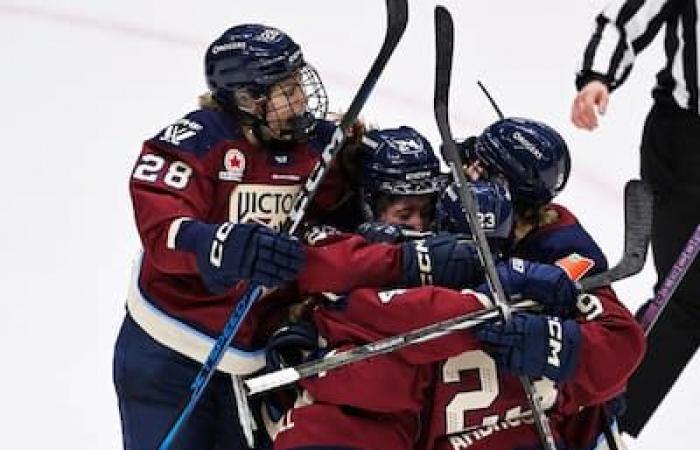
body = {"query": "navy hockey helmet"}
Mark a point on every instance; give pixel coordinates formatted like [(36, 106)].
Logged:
[(495, 211), (256, 57), (251, 55), (532, 156), (398, 161)]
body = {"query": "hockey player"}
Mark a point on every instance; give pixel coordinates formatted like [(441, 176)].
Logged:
[(533, 160), (377, 403), (208, 191)]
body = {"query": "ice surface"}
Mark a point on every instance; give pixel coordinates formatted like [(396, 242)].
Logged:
[(83, 83)]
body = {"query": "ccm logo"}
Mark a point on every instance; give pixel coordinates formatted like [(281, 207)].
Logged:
[(554, 328), (217, 246)]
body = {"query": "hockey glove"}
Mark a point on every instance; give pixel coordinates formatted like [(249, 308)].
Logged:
[(546, 284), (230, 252), (291, 345), (441, 260), (534, 345)]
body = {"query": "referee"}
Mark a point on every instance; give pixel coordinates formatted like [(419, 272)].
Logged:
[(670, 162)]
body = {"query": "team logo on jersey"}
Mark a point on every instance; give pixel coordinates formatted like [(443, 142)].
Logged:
[(234, 163), (261, 203), (181, 130), (576, 266)]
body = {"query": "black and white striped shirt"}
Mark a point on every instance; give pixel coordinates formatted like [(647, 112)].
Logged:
[(625, 28)]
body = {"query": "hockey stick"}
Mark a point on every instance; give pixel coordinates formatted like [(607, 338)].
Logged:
[(499, 113), (638, 217), (634, 218), (673, 279), (444, 29), (397, 18), (283, 377)]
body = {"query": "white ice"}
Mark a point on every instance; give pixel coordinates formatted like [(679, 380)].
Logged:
[(83, 83)]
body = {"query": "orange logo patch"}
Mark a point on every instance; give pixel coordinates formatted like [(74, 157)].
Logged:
[(576, 266)]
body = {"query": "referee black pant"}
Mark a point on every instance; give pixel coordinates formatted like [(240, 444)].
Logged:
[(670, 162)]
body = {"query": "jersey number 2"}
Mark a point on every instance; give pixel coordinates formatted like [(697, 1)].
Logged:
[(483, 397)]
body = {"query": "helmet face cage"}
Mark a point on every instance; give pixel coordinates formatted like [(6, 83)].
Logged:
[(398, 162), (255, 58), (532, 156), (308, 99)]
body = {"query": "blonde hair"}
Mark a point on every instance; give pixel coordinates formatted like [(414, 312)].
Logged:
[(207, 101)]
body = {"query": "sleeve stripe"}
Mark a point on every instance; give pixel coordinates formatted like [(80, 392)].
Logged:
[(173, 229)]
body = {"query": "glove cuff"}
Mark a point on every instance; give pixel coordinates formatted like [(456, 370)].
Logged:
[(417, 265), (191, 234), (568, 358)]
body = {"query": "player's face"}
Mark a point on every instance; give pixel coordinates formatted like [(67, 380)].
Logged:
[(414, 211), (286, 101), (475, 171)]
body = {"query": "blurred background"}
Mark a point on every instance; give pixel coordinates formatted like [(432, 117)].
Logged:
[(83, 83)]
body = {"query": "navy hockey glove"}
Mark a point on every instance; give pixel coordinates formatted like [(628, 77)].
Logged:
[(230, 252), (291, 345), (547, 284), (534, 345), (441, 260)]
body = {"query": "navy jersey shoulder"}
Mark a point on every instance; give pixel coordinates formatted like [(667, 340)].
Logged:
[(198, 132), (558, 240)]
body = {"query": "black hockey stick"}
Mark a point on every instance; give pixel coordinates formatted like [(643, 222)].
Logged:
[(283, 377), (638, 217), (397, 18), (494, 105), (444, 29)]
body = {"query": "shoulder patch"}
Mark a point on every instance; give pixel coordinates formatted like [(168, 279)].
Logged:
[(576, 266), (198, 132), (181, 130), (234, 165)]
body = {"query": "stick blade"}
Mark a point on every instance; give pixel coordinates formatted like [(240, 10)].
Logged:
[(397, 19), (638, 220), (444, 46)]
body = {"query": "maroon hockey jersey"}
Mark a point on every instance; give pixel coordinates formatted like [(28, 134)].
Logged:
[(376, 403), (475, 406), (201, 168), (469, 402)]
